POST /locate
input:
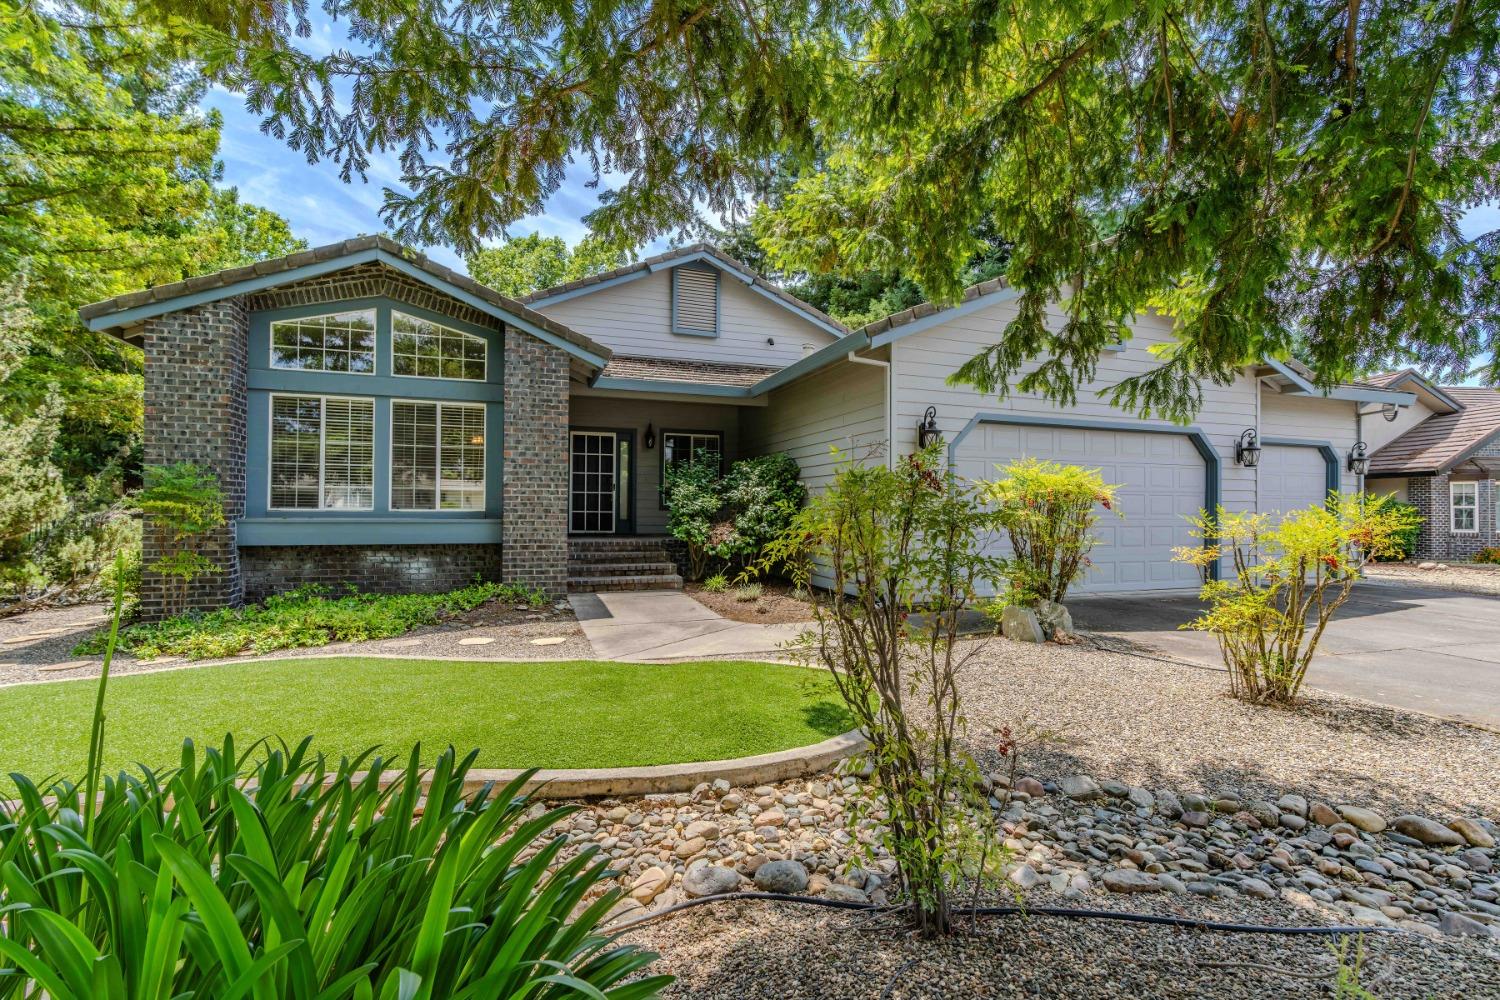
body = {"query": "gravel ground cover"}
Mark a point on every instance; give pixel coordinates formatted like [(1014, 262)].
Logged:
[(1445, 576), (46, 637)]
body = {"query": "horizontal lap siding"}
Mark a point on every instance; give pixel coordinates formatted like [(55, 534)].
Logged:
[(841, 407), (925, 360), (1305, 418), (635, 319)]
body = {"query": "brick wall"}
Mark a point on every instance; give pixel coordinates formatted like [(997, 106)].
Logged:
[(195, 412), (378, 569), (1431, 496), (534, 533)]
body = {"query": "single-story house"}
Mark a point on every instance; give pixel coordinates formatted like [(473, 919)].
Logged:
[(1442, 455), (377, 418)]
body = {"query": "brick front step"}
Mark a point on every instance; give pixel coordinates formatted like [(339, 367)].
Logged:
[(620, 563), (644, 568), (663, 581)]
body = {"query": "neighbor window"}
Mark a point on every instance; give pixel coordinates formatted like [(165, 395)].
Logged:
[(427, 350), (1464, 506), (681, 446), (339, 342), (437, 456), (322, 453), (695, 301)]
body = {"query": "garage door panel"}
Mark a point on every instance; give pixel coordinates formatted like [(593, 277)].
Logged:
[(1161, 480), (1292, 477)]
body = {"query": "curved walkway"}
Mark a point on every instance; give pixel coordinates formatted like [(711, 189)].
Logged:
[(653, 625)]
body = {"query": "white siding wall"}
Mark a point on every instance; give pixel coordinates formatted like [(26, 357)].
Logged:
[(1388, 487), (926, 359), (1310, 418), (1378, 433), (842, 406), (635, 318)]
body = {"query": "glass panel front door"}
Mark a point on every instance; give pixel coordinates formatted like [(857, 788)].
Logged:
[(595, 480)]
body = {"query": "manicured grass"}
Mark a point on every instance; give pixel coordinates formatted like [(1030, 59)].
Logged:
[(567, 714)]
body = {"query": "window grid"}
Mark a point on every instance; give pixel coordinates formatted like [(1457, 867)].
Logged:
[(321, 453), (422, 349), (592, 503), (1464, 507), (339, 342), (681, 446), (437, 456)]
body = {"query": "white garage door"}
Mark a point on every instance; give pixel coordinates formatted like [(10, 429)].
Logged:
[(1161, 478), (1292, 477)]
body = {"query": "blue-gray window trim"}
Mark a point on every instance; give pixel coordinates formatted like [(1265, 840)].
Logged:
[(262, 526), (1212, 465), (718, 301), (1333, 473)]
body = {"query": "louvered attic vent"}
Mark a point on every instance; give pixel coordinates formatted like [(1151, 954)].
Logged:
[(695, 301)]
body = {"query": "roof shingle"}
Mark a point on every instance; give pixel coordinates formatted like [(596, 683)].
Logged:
[(1443, 440), (676, 370)]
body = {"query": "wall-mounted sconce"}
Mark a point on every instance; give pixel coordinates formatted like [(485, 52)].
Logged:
[(650, 438), (927, 429), (1359, 459), (1247, 449)]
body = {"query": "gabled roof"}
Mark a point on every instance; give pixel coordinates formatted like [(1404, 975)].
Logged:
[(1443, 440), (696, 253), (124, 311), (1431, 394)]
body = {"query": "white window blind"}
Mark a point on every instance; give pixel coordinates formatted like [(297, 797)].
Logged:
[(437, 456), (322, 453), (695, 301), (340, 342)]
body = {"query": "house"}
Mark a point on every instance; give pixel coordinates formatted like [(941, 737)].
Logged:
[(377, 418), (1442, 455)]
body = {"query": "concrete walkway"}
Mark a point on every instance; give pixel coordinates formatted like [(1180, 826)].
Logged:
[(649, 625)]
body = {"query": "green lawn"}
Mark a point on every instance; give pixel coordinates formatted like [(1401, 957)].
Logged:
[(569, 714)]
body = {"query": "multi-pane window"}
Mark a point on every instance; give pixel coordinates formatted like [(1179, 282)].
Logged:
[(681, 446), (322, 453), (1464, 506), (437, 456), (427, 350), (339, 342)]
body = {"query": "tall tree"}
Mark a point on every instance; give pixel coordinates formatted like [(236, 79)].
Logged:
[(1258, 170), (526, 263)]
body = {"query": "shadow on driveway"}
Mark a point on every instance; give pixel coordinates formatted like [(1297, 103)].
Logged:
[(1419, 648)]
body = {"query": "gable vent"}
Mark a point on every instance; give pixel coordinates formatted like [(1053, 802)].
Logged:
[(695, 301)]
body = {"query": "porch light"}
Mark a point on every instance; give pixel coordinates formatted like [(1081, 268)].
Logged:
[(1359, 459), (927, 429), (1247, 449), (650, 438)]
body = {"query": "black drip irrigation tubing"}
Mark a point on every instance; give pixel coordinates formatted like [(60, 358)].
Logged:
[(1012, 911)]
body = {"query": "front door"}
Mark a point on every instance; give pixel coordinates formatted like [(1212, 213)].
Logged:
[(599, 491)]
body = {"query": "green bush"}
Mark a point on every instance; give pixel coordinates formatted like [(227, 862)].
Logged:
[(308, 616), (748, 592), (1049, 511), (730, 518), (716, 584), (289, 876), (1404, 543), (1488, 557)]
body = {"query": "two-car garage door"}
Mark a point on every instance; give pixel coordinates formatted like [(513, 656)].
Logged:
[(1162, 482), (1292, 477)]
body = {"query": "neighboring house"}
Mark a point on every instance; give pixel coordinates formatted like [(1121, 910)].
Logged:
[(1442, 455), (378, 419)]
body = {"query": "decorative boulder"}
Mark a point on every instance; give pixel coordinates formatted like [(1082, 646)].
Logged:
[(788, 877), (704, 879), (1021, 625), (1054, 618)]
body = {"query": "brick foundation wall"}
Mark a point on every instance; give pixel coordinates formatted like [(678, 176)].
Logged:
[(534, 513), (195, 412), (376, 569)]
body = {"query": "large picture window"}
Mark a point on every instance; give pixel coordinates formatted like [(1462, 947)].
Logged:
[(422, 349), (338, 342), (1464, 506), (322, 453), (681, 446), (437, 456)]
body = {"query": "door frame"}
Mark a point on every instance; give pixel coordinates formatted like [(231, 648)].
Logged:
[(623, 525)]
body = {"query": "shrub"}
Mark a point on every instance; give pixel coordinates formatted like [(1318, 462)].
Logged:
[(748, 592), (1286, 581), (308, 616), (1049, 512), (896, 541), (1404, 542), (693, 494), (1489, 556), (716, 584), (182, 504), (730, 518)]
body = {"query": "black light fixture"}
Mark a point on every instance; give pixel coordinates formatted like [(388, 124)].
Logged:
[(650, 438), (1359, 459), (927, 429), (1247, 449)]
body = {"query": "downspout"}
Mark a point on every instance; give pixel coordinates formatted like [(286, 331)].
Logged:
[(890, 404), (1359, 435)]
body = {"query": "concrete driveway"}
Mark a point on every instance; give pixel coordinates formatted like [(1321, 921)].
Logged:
[(1435, 651)]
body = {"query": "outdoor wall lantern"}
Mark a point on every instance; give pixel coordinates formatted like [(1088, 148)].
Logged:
[(650, 438), (1359, 459), (1247, 450), (927, 429)]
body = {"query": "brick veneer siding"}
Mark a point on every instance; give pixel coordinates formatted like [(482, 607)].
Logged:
[(1431, 496), (378, 569), (534, 512), (195, 412)]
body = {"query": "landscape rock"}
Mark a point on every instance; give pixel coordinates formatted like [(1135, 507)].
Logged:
[(1129, 880), (788, 877), (845, 893), (1322, 814), (1024, 877), (1294, 804), (1427, 831), (704, 879), (1031, 787), (649, 884), (1462, 926), (1365, 819), (1471, 831), (1054, 618), (1080, 787), (1021, 625)]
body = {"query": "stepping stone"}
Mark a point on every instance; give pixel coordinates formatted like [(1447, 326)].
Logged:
[(476, 640), (59, 667), (551, 640)]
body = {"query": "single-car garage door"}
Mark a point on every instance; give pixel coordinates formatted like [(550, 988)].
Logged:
[(1292, 477), (1162, 483)]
